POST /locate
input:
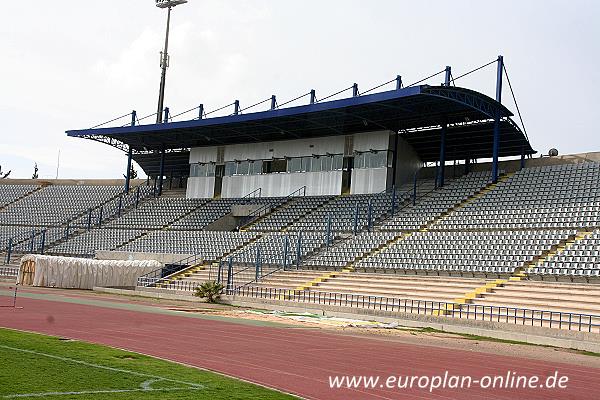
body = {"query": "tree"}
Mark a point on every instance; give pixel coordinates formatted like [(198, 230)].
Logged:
[(35, 172), (4, 175), (210, 290)]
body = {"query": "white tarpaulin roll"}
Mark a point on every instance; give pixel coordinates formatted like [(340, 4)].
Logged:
[(81, 273)]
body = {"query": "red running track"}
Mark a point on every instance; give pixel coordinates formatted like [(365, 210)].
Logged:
[(297, 361)]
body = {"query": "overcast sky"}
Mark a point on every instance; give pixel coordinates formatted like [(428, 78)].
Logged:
[(71, 64)]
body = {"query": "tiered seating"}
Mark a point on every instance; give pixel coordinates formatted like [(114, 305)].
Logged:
[(293, 211), (157, 213), (581, 259), (216, 209), (10, 193), (487, 251), (86, 244), (206, 244), (114, 208), (346, 251), (343, 211), (438, 202), (273, 248), (558, 196), (16, 233), (54, 205)]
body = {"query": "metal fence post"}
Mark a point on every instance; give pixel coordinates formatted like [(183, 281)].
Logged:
[(220, 271), (286, 244), (100, 216), (370, 216), (89, 220), (355, 227), (32, 241), (393, 200), (257, 264), (120, 205), (137, 196), (67, 231), (230, 276), (43, 244), (299, 250), (328, 231), (9, 250)]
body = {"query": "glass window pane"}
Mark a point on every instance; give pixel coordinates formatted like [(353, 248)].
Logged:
[(326, 163), (230, 168), (210, 169), (295, 165), (306, 164), (338, 162), (256, 167), (193, 171), (316, 164), (359, 160), (201, 170), (242, 168)]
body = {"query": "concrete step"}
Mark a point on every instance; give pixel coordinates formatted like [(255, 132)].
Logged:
[(547, 306), (527, 298), (348, 281), (441, 295)]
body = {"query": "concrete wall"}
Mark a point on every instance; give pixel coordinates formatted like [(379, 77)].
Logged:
[(408, 163), (282, 184), (287, 148), (375, 180), (378, 140), (200, 187), (203, 155)]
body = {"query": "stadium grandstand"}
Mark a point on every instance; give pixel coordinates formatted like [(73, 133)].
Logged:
[(419, 199)]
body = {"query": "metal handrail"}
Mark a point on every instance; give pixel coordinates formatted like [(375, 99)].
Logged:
[(250, 195), (514, 315), (254, 215)]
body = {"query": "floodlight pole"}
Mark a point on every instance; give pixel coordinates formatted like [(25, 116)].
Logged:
[(163, 75), (164, 63)]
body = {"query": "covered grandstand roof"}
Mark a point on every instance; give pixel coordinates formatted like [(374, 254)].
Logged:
[(416, 112)]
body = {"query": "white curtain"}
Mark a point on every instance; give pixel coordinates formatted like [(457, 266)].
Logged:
[(83, 273)]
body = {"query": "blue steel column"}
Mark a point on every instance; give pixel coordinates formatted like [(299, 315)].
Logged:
[(313, 96), (273, 102), (398, 82), (129, 155), (128, 175), (162, 171), (442, 167), (201, 111), (496, 148)]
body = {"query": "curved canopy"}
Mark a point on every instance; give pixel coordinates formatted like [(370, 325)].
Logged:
[(416, 112)]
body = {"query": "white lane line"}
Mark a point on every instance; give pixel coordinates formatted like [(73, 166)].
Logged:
[(44, 394), (88, 364)]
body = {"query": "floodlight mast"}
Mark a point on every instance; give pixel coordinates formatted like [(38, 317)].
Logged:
[(164, 59)]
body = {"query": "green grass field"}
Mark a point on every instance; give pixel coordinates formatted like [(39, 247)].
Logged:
[(36, 366)]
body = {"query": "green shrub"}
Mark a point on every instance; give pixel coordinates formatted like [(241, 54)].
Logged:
[(210, 290)]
